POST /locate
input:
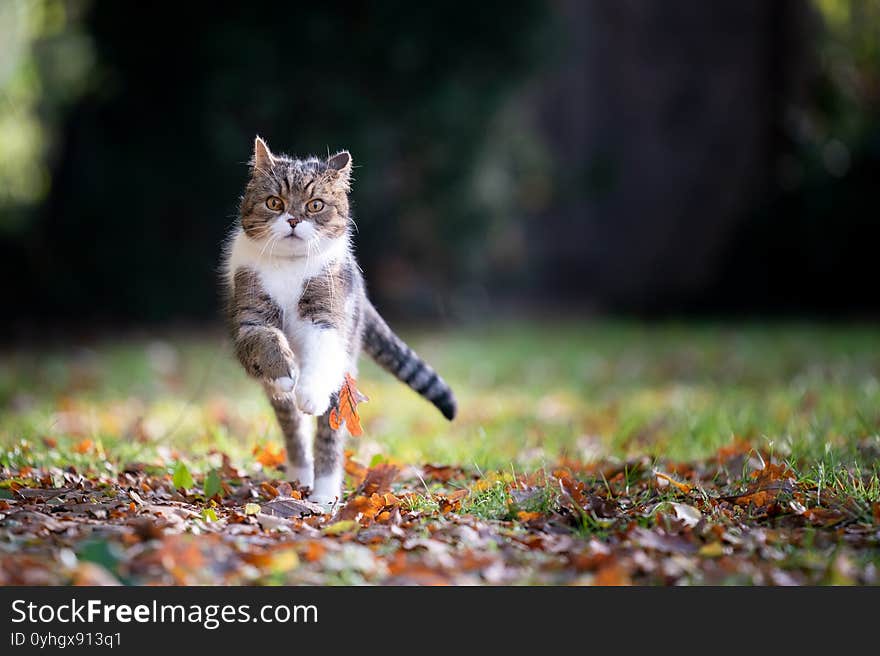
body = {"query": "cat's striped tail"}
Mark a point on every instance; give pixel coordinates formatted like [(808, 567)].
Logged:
[(393, 355)]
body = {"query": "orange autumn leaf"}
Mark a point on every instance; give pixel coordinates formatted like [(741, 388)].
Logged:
[(767, 485), (759, 499), (268, 489), (684, 487), (354, 469), (360, 508), (269, 454), (346, 407), (84, 446), (451, 502), (612, 574), (772, 473), (378, 479), (314, 551)]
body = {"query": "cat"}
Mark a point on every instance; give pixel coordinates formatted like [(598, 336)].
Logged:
[(298, 311)]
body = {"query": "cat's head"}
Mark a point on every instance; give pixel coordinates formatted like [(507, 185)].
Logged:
[(299, 205)]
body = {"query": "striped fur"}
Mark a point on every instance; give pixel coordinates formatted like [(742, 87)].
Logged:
[(393, 355), (298, 311)]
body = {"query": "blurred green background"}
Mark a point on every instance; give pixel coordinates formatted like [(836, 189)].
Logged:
[(656, 158)]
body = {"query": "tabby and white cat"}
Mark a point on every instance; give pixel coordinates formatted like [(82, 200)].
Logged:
[(298, 311)]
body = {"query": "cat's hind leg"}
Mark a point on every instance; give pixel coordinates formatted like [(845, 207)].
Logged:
[(298, 431), (329, 469)]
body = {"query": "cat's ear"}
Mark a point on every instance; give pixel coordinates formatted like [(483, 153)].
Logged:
[(340, 162), (262, 160)]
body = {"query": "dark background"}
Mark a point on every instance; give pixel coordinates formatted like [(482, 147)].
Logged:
[(646, 158)]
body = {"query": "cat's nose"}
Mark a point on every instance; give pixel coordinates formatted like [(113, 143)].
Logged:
[(293, 221)]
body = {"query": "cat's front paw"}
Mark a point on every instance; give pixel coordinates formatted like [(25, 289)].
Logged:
[(312, 399), (283, 385)]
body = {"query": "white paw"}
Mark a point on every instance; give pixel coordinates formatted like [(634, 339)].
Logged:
[(283, 385), (327, 491), (327, 502), (305, 475), (311, 399)]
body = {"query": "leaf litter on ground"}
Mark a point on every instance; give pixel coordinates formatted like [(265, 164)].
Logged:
[(602, 523)]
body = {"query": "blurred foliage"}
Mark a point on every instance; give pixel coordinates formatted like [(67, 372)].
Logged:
[(850, 58), (123, 145), (843, 121), (44, 65), (154, 154), (815, 238)]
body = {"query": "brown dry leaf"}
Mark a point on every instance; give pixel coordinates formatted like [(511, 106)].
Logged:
[(612, 574), (574, 488), (733, 450), (180, 556), (360, 508), (314, 551), (354, 469), (526, 517), (346, 407), (772, 473), (378, 479), (442, 473), (759, 499), (451, 502), (290, 507), (683, 487), (823, 516), (270, 455), (268, 489), (768, 483)]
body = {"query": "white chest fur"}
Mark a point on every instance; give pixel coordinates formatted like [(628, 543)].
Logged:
[(282, 277)]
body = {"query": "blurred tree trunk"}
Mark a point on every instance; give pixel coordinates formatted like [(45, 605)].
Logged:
[(667, 121)]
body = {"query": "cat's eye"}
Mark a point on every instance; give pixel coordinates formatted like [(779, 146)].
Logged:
[(315, 205), (274, 203)]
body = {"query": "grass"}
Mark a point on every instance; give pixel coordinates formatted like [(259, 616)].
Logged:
[(529, 395), (593, 397)]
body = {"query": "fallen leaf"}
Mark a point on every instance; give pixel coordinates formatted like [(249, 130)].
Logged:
[(340, 527), (182, 477), (268, 489), (213, 484), (442, 473), (270, 455), (84, 446), (711, 550), (683, 487), (612, 574), (526, 517), (291, 507), (451, 502), (688, 515), (378, 479), (345, 409)]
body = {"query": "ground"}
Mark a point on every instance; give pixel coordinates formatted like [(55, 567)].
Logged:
[(583, 453)]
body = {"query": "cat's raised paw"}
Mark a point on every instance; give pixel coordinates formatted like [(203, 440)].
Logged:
[(283, 385), (311, 402)]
